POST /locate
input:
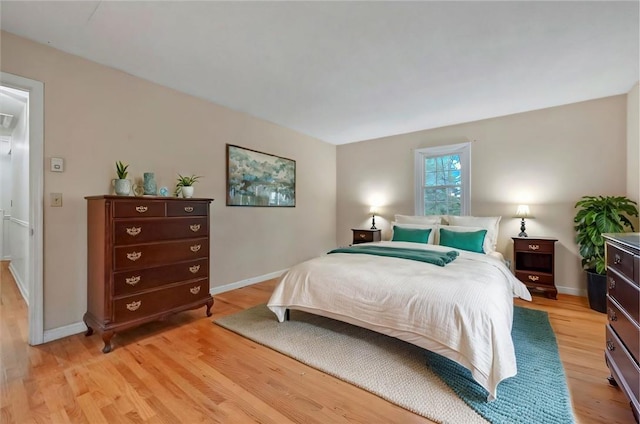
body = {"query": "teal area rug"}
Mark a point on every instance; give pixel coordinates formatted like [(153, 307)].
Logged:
[(537, 394)]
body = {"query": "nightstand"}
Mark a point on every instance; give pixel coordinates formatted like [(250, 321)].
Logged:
[(533, 259), (365, 236)]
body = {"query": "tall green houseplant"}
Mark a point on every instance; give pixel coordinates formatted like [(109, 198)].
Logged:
[(596, 216)]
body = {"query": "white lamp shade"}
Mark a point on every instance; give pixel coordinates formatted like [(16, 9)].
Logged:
[(523, 212)]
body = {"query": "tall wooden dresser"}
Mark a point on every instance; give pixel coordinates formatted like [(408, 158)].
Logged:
[(148, 257), (622, 352)]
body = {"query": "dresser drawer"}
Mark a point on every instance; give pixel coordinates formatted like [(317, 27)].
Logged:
[(152, 254), (625, 329), (134, 281), (187, 208), (134, 231), (621, 261), (533, 246), (625, 293), (626, 367), (138, 208), (160, 301), (535, 278)]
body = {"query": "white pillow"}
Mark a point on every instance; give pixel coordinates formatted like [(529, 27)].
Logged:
[(432, 235), (489, 223), (486, 244), (421, 220)]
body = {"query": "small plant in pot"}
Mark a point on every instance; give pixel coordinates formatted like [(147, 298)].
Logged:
[(596, 216), (121, 185), (185, 185)]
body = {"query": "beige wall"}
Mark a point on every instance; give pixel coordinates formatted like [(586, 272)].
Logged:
[(633, 144), (95, 115), (547, 159)]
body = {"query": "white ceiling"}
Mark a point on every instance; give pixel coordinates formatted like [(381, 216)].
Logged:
[(350, 71)]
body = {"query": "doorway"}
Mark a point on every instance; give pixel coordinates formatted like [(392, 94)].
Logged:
[(27, 154)]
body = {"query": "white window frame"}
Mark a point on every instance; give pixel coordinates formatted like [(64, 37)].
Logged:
[(462, 149)]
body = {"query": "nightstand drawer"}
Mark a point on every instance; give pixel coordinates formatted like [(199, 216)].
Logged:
[(365, 236), (535, 278), (533, 245)]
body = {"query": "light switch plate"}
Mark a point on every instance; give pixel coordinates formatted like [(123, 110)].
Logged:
[(57, 165), (56, 200)]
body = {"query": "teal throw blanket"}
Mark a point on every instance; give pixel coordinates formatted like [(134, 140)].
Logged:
[(429, 256)]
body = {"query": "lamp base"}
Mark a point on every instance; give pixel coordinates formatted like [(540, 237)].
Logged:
[(522, 229)]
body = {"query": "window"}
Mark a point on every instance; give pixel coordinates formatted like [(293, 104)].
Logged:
[(442, 180)]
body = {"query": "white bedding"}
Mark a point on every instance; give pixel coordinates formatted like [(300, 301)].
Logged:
[(462, 311)]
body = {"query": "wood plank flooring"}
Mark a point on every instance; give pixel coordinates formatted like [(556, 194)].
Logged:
[(188, 370)]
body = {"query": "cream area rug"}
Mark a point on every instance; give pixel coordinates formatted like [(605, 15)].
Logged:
[(390, 368)]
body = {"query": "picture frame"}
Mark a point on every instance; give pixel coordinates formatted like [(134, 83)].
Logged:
[(259, 179)]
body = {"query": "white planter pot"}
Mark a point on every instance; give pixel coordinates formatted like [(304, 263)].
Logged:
[(187, 192), (122, 187)]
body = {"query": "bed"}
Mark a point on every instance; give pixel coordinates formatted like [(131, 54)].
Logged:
[(462, 311)]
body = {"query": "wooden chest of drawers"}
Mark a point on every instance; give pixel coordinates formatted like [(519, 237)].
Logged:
[(148, 257), (623, 311)]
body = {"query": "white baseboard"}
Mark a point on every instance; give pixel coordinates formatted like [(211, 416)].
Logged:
[(247, 282), (80, 327), (572, 291), (64, 331), (24, 291)]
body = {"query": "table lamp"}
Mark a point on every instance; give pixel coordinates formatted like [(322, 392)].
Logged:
[(522, 212)]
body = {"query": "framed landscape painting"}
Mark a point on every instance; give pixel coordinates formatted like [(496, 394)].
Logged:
[(259, 179)]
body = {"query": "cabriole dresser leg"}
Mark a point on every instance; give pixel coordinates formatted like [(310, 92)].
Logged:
[(209, 306), (106, 338), (89, 329)]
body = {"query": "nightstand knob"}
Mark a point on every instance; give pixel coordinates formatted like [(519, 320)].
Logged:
[(610, 346), (534, 277), (534, 247)]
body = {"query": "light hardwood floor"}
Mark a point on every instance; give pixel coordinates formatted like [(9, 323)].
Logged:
[(188, 370)]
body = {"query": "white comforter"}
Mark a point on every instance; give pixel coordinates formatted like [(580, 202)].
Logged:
[(462, 311)]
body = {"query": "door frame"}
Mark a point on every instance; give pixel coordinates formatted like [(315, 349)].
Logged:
[(36, 203)]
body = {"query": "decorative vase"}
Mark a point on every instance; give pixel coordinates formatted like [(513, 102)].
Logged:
[(122, 187), (150, 188), (187, 191)]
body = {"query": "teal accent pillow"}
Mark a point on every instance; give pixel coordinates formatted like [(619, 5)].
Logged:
[(414, 235), (471, 241)]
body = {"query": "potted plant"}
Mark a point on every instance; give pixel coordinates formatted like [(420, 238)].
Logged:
[(595, 216), (121, 185), (185, 185)]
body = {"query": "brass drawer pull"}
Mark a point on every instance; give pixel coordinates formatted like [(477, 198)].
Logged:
[(134, 231), (141, 209), (194, 269), (534, 247), (612, 315), (612, 283), (134, 305), (195, 290), (133, 280), (188, 208), (363, 236), (195, 247), (617, 259), (534, 277), (134, 256), (194, 227), (610, 346)]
